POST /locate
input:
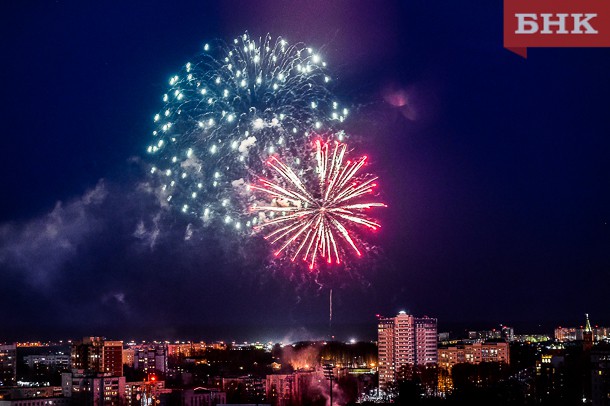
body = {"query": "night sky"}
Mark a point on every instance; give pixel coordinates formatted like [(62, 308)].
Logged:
[(496, 170)]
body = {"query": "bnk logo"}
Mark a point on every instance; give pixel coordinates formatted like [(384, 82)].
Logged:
[(555, 23)]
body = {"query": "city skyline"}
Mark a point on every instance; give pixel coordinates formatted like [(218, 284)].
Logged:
[(344, 333), (494, 168)]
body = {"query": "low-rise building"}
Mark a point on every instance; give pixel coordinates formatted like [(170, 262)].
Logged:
[(203, 397), (93, 389), (136, 391), (473, 354), (51, 361), (33, 396)]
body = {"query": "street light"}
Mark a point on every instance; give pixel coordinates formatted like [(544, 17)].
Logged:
[(328, 374)]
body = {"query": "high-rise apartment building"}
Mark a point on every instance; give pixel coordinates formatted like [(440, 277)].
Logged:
[(426, 341), (87, 354), (405, 341), (8, 365), (96, 355), (112, 358), (600, 376), (151, 358)]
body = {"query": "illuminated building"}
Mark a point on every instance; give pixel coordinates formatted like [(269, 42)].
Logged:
[(219, 345), (600, 377), (51, 361), (128, 356), (8, 365), (484, 335), (404, 341), (185, 349), (425, 341), (551, 377), (135, 391), (112, 358), (601, 333), (151, 358), (36, 402), (296, 389), (532, 338), (250, 389), (504, 333), (93, 389), (565, 334), (30, 344), (473, 354), (96, 355), (303, 382), (203, 397), (279, 389), (508, 333), (87, 354), (385, 348), (34, 396), (587, 335)]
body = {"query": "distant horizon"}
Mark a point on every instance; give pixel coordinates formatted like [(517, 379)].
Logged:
[(343, 332)]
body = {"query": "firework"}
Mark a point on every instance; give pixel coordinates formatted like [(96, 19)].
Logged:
[(317, 217), (227, 111)]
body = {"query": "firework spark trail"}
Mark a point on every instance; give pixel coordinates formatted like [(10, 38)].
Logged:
[(227, 111), (313, 222)]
